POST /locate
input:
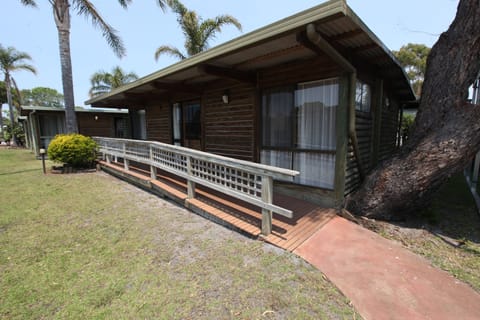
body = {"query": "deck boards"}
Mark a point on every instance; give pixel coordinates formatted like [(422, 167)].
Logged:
[(286, 233)]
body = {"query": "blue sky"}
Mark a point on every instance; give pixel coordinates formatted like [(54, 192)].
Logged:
[(144, 27)]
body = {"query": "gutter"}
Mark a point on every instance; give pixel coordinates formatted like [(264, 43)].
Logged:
[(315, 38)]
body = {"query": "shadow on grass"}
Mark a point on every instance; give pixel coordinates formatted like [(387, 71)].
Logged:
[(21, 171), (452, 214)]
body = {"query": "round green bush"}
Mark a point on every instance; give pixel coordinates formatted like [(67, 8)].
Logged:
[(75, 150)]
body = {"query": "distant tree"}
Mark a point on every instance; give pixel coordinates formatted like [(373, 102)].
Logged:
[(197, 32), (407, 123), (12, 60), (413, 58), (17, 130), (61, 13), (42, 96), (3, 99), (103, 82)]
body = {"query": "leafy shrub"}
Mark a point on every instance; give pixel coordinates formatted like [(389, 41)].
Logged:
[(407, 124), (72, 149), (19, 133)]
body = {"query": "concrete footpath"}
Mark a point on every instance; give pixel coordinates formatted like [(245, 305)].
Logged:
[(382, 279)]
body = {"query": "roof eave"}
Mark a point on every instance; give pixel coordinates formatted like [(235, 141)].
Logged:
[(300, 19)]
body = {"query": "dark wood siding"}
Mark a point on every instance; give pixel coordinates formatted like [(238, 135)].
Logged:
[(389, 128), (229, 129), (159, 123), (387, 142), (364, 130), (103, 126)]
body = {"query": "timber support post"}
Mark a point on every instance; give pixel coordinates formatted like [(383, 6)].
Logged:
[(153, 169), (126, 162), (267, 197), (190, 183)]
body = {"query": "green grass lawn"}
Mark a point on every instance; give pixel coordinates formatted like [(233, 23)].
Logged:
[(89, 246)]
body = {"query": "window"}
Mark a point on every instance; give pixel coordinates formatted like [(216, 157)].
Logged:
[(192, 121), (177, 124), (278, 109), (299, 130), (121, 127), (139, 125), (50, 126), (363, 97)]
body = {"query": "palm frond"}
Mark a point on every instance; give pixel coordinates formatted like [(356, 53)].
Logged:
[(210, 27), (26, 67), (178, 8), (197, 32), (103, 81), (163, 4), (87, 9), (30, 3), (13, 60), (172, 51), (124, 3)]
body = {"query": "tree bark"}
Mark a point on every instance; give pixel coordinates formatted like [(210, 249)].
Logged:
[(446, 134), (61, 13)]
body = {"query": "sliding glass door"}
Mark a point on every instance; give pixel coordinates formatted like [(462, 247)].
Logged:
[(299, 130), (186, 125)]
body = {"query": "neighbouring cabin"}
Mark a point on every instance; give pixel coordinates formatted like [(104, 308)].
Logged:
[(316, 93), (42, 124)]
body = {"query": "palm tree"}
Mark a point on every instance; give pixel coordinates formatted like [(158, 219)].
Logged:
[(61, 13), (12, 60), (103, 82), (197, 32)]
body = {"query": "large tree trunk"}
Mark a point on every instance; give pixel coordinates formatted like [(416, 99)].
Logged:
[(61, 13), (446, 133), (8, 88)]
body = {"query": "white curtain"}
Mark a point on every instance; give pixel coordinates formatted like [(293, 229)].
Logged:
[(316, 169), (177, 124), (303, 123), (316, 104), (281, 159)]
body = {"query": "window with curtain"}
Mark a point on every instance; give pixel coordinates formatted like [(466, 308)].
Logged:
[(299, 130), (363, 97), (177, 124), (50, 126)]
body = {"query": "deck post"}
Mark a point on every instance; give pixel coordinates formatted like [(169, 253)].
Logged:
[(108, 158), (153, 169), (190, 183), (267, 197), (125, 160)]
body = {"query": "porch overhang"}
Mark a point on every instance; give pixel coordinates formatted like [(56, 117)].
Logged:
[(278, 43)]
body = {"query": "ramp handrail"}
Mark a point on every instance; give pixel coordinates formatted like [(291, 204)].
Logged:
[(244, 180)]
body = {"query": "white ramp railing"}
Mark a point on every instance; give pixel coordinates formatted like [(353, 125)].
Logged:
[(247, 181)]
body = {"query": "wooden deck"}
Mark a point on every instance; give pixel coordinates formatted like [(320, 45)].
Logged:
[(241, 216)]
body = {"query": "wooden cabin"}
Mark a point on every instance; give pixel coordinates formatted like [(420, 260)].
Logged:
[(42, 124), (316, 92)]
